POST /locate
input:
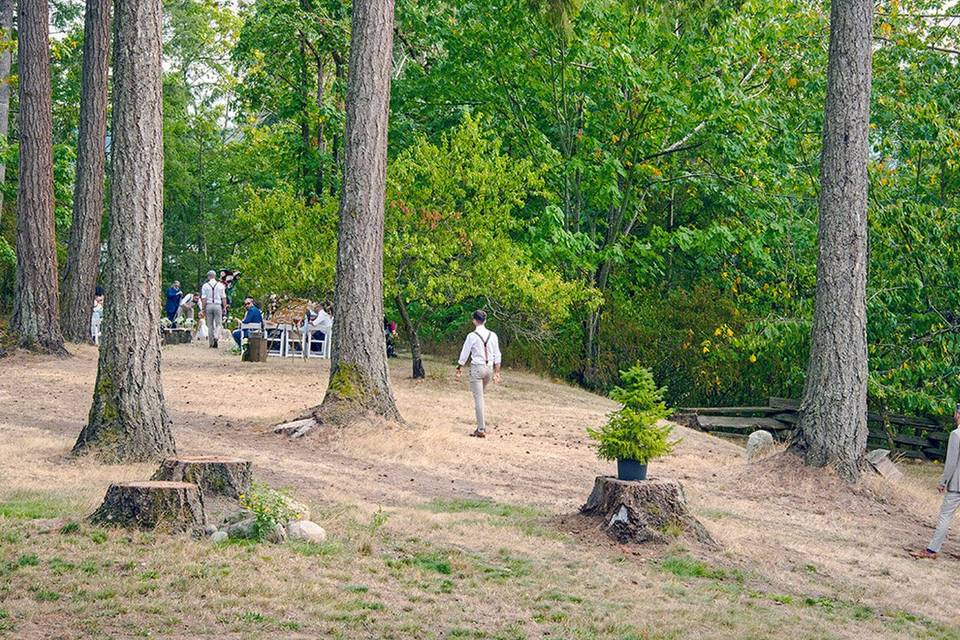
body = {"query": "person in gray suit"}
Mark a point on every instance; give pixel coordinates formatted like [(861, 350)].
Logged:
[(949, 486)]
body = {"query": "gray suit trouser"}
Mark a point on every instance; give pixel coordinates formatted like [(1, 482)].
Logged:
[(951, 500), (480, 377), (214, 316)]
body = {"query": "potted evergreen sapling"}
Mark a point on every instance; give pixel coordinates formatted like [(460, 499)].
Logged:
[(633, 434)]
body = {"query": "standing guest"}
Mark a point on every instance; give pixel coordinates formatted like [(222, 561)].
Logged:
[(252, 316), (174, 294), (214, 299), (482, 347), (96, 318), (949, 485)]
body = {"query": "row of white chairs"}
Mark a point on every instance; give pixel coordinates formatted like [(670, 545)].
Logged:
[(288, 341)]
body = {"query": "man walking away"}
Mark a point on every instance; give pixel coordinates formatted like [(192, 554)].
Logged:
[(949, 486), (214, 297), (482, 347), (174, 294)]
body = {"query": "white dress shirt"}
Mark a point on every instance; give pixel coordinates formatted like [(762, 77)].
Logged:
[(474, 349), (213, 292)]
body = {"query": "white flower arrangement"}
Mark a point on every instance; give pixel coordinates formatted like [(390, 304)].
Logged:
[(165, 323)]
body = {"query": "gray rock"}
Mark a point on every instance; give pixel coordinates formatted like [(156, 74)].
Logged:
[(880, 460), (243, 529), (300, 511), (278, 535), (759, 443), (306, 530), (209, 530), (219, 536), (235, 517)]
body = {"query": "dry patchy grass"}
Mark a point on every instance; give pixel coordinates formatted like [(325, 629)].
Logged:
[(471, 546)]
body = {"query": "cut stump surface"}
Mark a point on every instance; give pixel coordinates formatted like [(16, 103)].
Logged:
[(215, 475), (169, 506), (650, 510)]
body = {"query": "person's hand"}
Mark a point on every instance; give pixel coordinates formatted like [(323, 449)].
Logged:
[(941, 488), (496, 377), (459, 373)]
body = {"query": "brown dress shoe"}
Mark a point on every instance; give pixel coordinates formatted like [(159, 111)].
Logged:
[(926, 554), (478, 434)]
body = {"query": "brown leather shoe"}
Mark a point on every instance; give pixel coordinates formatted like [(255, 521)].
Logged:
[(478, 434), (926, 554)]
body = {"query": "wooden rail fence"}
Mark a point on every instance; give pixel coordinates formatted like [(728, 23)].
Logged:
[(911, 436)]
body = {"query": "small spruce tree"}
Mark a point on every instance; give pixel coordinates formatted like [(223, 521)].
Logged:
[(634, 432)]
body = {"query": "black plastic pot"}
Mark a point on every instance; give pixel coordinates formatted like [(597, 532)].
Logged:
[(631, 470)]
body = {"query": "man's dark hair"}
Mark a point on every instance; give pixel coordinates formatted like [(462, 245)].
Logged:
[(480, 316)]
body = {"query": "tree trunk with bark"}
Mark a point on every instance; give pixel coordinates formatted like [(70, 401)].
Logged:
[(359, 381), (172, 507), (83, 259), (215, 475), (36, 319), (832, 428), (128, 419), (6, 62), (416, 352)]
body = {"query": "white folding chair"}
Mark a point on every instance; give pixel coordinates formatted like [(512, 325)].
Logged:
[(311, 340), (277, 340)]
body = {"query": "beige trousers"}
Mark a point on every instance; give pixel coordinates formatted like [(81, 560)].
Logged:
[(214, 317), (480, 377), (951, 500)]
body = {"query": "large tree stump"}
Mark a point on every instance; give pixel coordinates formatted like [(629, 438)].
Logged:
[(169, 506), (214, 475), (643, 511)]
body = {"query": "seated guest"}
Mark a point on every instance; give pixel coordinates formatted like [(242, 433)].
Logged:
[(252, 316), (320, 324)]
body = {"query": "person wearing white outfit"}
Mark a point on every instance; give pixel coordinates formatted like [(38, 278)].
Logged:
[(949, 486), (214, 297), (482, 348)]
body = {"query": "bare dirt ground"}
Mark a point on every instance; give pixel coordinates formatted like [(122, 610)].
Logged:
[(479, 540)]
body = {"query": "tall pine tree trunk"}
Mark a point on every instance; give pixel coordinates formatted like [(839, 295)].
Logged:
[(128, 419), (83, 259), (36, 319), (359, 382), (6, 62), (832, 425)]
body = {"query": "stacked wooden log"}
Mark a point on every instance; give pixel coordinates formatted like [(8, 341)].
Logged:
[(919, 437)]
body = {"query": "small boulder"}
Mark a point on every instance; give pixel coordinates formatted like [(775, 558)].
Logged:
[(219, 536), (235, 517), (278, 535), (209, 530), (759, 443), (306, 530), (298, 510), (243, 529)]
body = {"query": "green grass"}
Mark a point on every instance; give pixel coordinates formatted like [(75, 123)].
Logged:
[(31, 505), (489, 507), (314, 549), (434, 561), (687, 567)]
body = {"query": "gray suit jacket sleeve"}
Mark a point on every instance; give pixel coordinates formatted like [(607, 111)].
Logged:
[(953, 453)]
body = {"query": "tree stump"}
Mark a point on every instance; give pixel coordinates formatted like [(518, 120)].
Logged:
[(643, 511), (213, 474), (169, 506)]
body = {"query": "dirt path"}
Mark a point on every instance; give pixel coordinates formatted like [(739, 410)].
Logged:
[(803, 532)]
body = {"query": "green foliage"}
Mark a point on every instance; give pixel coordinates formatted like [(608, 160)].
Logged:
[(292, 247), (632, 431), (270, 508)]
